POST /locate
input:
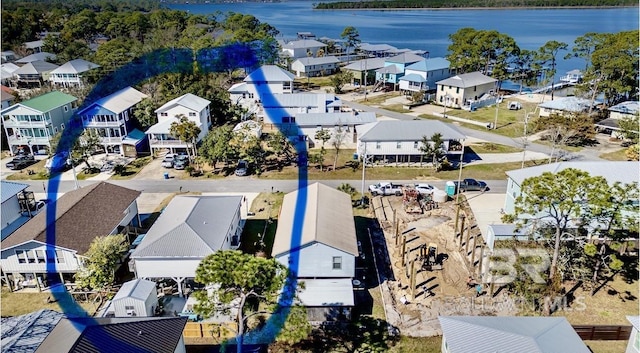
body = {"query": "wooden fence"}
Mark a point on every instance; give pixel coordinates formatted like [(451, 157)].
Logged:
[(603, 332), (209, 330)]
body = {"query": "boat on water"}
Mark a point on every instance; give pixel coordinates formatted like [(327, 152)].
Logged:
[(573, 76)]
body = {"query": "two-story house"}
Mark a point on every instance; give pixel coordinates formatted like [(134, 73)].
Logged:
[(282, 109), (195, 108), (70, 73), (189, 229), (301, 48), (567, 105), (460, 90), (364, 71), (30, 259), (399, 141), (111, 119), (312, 67), (33, 74), (344, 123), (266, 80), (11, 212), (394, 68), (423, 75), (29, 125), (319, 247)]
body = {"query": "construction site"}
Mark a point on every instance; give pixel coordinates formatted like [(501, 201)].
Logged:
[(429, 257)]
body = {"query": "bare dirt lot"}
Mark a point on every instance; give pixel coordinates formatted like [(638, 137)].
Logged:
[(413, 305)]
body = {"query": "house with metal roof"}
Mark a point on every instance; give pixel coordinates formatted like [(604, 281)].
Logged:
[(265, 81), (624, 110), (612, 171), (189, 229), (34, 73), (194, 108), (365, 67), (29, 260), (399, 141), (394, 68), (41, 56), (137, 297), (490, 334), (111, 119), (70, 73), (344, 123), (25, 333), (633, 346), (282, 109), (567, 105), (29, 125), (423, 75), (326, 248), (315, 66), (6, 98), (118, 334), (301, 48), (6, 73), (34, 46), (460, 90), (11, 211), (377, 50)]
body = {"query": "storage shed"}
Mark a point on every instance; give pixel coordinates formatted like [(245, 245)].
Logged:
[(137, 297)]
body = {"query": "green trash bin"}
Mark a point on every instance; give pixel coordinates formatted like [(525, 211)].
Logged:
[(450, 188)]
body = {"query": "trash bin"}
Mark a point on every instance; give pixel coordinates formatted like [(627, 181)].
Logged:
[(450, 188), (166, 175)]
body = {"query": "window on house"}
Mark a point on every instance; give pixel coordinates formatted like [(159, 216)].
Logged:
[(66, 108), (337, 262), (59, 257), (475, 88), (457, 90), (378, 145), (164, 114), (61, 126), (415, 144), (398, 145), (39, 255), (128, 307), (22, 256), (192, 114)]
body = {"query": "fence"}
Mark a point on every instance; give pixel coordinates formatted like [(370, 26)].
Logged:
[(219, 332), (603, 332)]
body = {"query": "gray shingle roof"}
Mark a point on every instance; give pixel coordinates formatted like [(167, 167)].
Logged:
[(269, 73), (24, 333), (624, 172), (410, 130), (76, 66), (10, 189), (81, 215), (328, 220), (467, 80), (136, 288), (490, 334), (190, 226)]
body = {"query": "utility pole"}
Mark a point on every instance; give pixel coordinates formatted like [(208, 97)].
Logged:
[(364, 165), (525, 142)]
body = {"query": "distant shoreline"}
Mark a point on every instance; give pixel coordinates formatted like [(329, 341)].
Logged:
[(478, 8)]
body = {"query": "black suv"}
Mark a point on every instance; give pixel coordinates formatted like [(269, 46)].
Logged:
[(21, 161)]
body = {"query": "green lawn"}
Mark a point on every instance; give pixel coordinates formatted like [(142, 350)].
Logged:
[(618, 155), (38, 170), (488, 147), (14, 304), (132, 168)]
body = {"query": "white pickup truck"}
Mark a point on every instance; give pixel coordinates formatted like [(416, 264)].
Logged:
[(385, 189)]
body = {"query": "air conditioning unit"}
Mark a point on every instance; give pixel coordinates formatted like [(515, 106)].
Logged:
[(131, 313)]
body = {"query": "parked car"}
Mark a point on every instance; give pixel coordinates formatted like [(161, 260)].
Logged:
[(59, 162), (168, 160), (425, 189), (472, 185), (36, 207), (181, 162), (21, 161), (385, 188), (243, 168)]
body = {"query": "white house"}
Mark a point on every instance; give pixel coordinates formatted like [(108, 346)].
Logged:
[(624, 110), (301, 48), (137, 297), (567, 105), (623, 172), (319, 247), (488, 334), (364, 69), (460, 90), (10, 213), (33, 73), (111, 119), (29, 125), (189, 229), (81, 215), (69, 74), (399, 141), (6, 73), (633, 346), (195, 108), (266, 80), (282, 109), (345, 123), (423, 75), (311, 67)]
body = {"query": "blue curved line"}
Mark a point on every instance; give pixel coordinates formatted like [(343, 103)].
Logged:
[(219, 59)]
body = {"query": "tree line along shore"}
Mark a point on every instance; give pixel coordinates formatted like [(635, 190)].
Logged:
[(469, 4)]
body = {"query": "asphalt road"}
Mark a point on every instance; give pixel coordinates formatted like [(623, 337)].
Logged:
[(245, 185)]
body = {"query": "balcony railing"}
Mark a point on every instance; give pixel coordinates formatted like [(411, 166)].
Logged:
[(111, 140), (92, 123), (157, 142), (25, 140), (40, 124)]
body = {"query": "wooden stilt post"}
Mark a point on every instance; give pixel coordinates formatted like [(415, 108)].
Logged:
[(404, 248), (461, 229), (481, 260), (412, 280), (473, 251), (457, 220), (466, 243)]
